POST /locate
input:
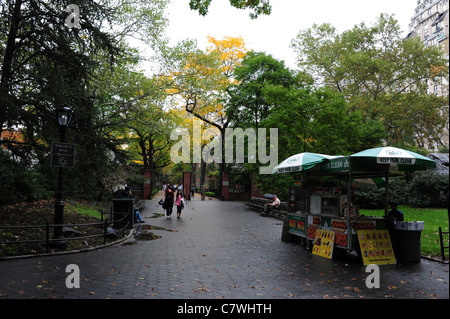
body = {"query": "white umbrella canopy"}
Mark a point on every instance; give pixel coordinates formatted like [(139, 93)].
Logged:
[(405, 160), (301, 162)]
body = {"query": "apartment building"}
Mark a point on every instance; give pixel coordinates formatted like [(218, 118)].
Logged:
[(430, 23)]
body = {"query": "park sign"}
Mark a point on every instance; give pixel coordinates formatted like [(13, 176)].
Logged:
[(63, 155)]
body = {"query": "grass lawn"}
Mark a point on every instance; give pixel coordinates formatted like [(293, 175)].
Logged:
[(433, 218)]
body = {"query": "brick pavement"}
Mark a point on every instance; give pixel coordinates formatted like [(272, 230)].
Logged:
[(216, 250)]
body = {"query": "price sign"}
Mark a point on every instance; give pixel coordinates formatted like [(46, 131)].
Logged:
[(376, 247), (324, 243)]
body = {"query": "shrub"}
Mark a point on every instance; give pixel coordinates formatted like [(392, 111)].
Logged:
[(425, 189), (375, 198), (18, 183), (428, 189)]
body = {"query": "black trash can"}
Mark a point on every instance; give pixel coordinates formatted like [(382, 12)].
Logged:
[(123, 213), (408, 245)]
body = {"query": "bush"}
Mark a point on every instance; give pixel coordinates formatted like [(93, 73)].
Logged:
[(375, 198), (18, 183), (428, 189), (369, 198)]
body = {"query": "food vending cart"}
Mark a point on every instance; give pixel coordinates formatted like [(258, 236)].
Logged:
[(321, 198)]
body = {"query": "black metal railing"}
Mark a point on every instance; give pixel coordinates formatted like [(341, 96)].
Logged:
[(441, 238), (103, 225)]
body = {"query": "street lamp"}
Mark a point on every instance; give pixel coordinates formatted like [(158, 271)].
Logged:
[(64, 115)]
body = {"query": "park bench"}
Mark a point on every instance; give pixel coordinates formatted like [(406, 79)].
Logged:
[(257, 203), (139, 204)]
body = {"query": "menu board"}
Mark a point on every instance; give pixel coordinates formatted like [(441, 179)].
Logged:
[(323, 243), (376, 247)]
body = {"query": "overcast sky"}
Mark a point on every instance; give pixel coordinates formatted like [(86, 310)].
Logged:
[(274, 33)]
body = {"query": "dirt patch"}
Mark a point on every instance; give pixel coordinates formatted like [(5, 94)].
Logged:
[(146, 235), (148, 227), (157, 215)]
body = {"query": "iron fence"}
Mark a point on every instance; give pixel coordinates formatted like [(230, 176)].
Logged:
[(441, 239), (103, 225)]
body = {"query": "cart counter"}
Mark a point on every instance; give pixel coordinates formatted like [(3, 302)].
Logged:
[(306, 225)]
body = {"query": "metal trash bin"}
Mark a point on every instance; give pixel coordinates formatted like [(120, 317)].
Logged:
[(408, 245), (123, 213)]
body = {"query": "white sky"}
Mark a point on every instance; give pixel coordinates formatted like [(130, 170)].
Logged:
[(274, 33)]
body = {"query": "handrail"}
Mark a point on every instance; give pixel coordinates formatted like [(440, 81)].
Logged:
[(441, 239), (47, 226)]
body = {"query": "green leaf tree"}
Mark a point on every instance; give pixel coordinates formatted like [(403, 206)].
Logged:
[(258, 6), (382, 75)]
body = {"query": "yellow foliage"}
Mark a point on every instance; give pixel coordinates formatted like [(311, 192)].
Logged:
[(201, 81), (231, 51)]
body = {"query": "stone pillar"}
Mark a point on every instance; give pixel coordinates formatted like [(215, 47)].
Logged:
[(187, 185), (225, 186), (146, 192)]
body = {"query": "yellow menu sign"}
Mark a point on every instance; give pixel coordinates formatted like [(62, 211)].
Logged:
[(376, 247), (323, 243)]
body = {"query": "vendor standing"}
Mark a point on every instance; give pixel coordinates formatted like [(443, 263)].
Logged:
[(395, 213)]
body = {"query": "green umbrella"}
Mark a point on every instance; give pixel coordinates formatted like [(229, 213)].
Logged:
[(301, 162), (404, 160)]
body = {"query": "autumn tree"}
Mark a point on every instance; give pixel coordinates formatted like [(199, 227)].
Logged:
[(381, 74), (200, 81)]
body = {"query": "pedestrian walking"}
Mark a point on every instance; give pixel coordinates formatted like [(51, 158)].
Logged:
[(168, 200), (180, 203), (202, 192), (192, 191)]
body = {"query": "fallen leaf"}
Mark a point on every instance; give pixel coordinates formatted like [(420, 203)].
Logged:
[(392, 287)]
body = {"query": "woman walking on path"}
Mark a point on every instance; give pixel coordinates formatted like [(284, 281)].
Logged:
[(179, 203), (168, 200)]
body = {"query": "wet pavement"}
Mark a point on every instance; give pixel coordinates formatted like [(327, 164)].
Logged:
[(217, 250)]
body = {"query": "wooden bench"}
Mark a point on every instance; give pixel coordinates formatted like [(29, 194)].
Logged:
[(258, 203), (281, 210)]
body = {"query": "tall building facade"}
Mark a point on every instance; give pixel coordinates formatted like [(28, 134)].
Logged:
[(430, 23)]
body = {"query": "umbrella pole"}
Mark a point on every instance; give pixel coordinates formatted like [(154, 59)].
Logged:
[(349, 185), (386, 193)]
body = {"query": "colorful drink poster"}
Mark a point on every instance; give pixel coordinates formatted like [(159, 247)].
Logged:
[(323, 243), (376, 247)]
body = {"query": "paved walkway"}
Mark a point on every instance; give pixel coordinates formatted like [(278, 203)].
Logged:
[(216, 250)]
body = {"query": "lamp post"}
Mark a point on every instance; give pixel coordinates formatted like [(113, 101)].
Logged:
[(64, 115)]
